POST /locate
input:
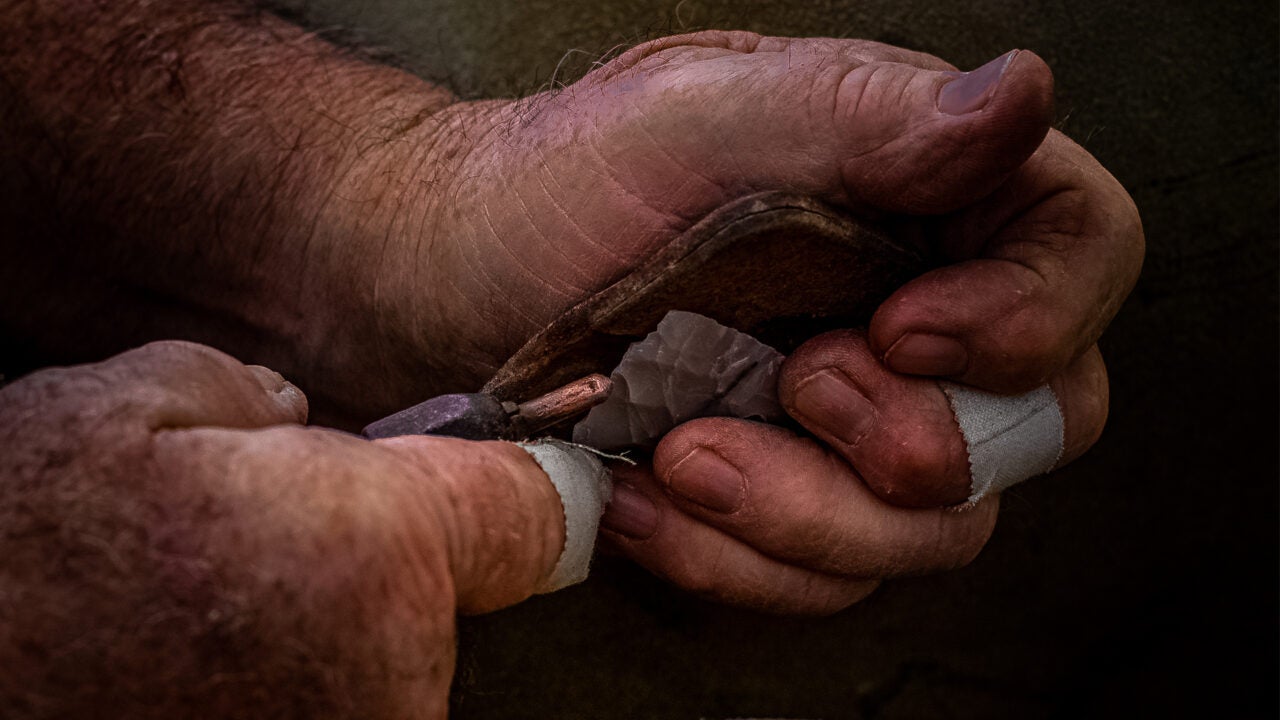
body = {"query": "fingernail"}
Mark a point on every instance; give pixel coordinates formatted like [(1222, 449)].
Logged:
[(705, 478), (970, 91), (630, 513), (269, 379), (925, 354), (291, 397), (830, 400), (284, 393)]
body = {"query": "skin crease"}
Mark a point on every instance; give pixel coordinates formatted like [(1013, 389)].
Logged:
[(202, 171), (179, 546)]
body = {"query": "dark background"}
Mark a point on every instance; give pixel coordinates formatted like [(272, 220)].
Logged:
[(1139, 582)]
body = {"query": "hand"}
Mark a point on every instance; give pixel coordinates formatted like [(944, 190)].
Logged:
[(565, 192), (396, 250), (177, 545), (251, 187), (569, 190)]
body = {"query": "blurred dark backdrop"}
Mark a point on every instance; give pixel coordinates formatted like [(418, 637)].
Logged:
[(1141, 581)]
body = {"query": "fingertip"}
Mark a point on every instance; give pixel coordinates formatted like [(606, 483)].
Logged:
[(687, 438), (288, 397), (1011, 96), (896, 432), (1008, 128), (1083, 393), (988, 323), (922, 353), (1034, 78), (630, 513), (199, 385), (945, 139), (971, 537), (292, 397), (1025, 89), (705, 477), (971, 91)]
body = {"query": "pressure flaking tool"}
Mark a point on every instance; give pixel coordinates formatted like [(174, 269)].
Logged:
[(481, 416)]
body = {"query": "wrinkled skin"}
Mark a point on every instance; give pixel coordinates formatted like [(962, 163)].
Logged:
[(178, 545), (567, 192), (431, 257)]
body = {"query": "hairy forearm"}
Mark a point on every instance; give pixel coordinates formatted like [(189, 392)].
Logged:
[(195, 170)]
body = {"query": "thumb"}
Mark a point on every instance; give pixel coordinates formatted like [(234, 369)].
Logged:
[(860, 124), (929, 142), (520, 519)]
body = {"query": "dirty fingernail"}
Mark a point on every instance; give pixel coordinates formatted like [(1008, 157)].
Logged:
[(925, 354), (630, 513), (292, 398), (829, 399), (972, 90), (705, 478), (284, 393)]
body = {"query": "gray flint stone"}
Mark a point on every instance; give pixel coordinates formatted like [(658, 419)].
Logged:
[(690, 367)]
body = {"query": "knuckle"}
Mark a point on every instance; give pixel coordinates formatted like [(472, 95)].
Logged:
[(856, 84), (739, 40), (735, 40), (174, 350), (180, 357)]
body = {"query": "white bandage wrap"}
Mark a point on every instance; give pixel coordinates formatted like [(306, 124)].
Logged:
[(585, 487), (1010, 438)]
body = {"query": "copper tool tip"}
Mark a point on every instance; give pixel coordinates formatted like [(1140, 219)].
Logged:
[(563, 403)]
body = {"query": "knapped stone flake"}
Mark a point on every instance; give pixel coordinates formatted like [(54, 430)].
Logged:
[(689, 367)]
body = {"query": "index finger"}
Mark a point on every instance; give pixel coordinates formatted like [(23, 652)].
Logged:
[(797, 501)]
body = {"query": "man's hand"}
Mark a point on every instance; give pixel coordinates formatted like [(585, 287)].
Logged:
[(175, 544), (345, 223), (568, 191)]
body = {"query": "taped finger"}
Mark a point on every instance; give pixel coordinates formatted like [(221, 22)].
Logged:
[(1009, 438), (584, 487), (920, 443)]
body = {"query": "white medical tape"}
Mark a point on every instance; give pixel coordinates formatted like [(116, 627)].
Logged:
[(1010, 438), (585, 487)]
